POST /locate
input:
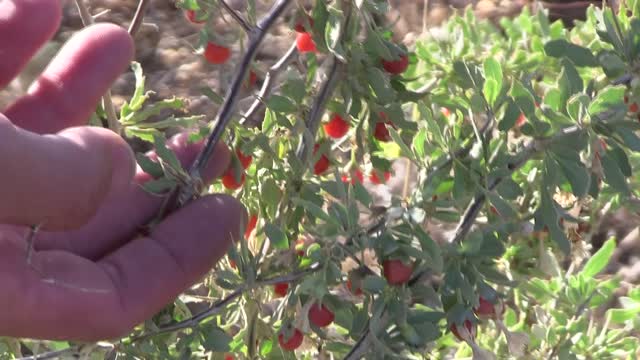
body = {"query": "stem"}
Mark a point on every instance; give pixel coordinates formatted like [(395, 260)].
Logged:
[(534, 147), (239, 19), (107, 103), (269, 82), (137, 18), (226, 111), (317, 109)]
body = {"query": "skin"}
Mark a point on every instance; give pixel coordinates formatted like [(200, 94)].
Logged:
[(91, 276)]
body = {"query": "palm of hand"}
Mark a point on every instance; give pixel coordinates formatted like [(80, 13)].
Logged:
[(90, 276)]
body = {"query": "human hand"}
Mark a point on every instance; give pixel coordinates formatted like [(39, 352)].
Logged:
[(90, 277)]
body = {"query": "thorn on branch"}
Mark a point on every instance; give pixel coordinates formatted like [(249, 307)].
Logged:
[(237, 17), (269, 81)]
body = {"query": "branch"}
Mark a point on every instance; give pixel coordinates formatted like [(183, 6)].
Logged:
[(107, 103), (137, 18), (192, 322), (183, 195), (362, 346), (317, 109), (222, 303), (269, 82), (239, 19), (535, 146)]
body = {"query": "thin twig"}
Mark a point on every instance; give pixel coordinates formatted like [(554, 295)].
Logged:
[(239, 19), (226, 111), (138, 17), (107, 102), (317, 109), (269, 82), (222, 303), (193, 321), (535, 146)]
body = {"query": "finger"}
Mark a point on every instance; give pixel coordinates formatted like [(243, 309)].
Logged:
[(64, 296), (26, 25), (123, 212), (69, 89), (59, 180)]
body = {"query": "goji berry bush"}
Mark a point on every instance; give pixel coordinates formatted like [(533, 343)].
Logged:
[(519, 135)]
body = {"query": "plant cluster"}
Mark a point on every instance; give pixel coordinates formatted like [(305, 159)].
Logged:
[(518, 136)]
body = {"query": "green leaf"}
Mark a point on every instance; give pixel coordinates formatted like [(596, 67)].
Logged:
[(281, 104), (152, 110), (606, 99), (149, 166), (493, 80), (419, 142), (373, 284), (277, 237), (611, 63), (503, 207), (576, 173), (509, 189), (600, 259), (159, 186), (332, 33), (362, 195), (630, 138), (139, 96), (212, 95), (316, 211), (270, 192), (429, 246), (579, 55), (613, 175), (164, 153), (379, 82), (403, 147), (620, 316), (469, 75), (147, 135), (510, 116), (216, 339)]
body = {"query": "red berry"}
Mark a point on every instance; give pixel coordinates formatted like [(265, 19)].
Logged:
[(322, 164), (216, 54), (446, 112), (320, 315), (381, 132), (229, 179), (299, 247), (245, 160), (633, 107), (228, 357), (357, 291), (470, 328), (359, 177), (487, 309), (305, 43), (251, 80), (603, 144), (396, 67), (521, 120), (337, 127), (281, 289), (253, 220), (233, 264), (396, 272), (293, 342), (375, 180), (300, 26), (191, 16)]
